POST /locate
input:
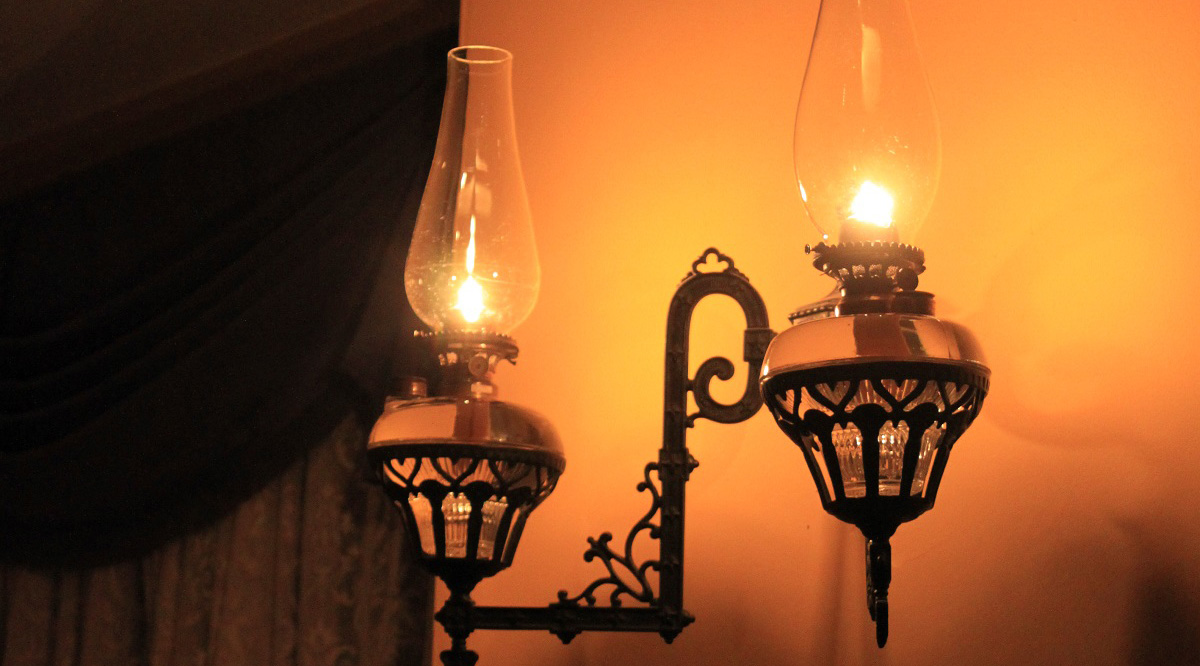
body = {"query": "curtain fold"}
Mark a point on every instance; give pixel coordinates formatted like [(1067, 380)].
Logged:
[(196, 332), (178, 324)]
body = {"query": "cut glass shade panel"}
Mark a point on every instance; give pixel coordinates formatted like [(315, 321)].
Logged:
[(457, 511), (847, 443), (493, 514), (423, 515), (892, 440), (929, 445)]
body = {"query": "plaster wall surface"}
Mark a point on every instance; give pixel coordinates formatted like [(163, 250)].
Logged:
[(1064, 233)]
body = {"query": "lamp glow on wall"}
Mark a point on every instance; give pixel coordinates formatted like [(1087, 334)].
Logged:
[(870, 385)]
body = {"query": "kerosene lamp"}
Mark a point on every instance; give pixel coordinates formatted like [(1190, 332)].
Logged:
[(465, 467), (871, 385)]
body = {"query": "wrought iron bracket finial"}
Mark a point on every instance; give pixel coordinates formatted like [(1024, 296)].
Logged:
[(879, 578)]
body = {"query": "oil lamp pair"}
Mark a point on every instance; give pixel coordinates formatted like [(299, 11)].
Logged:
[(871, 386)]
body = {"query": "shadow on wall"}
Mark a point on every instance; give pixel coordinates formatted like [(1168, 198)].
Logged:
[(1090, 326), (1165, 607), (1089, 323)]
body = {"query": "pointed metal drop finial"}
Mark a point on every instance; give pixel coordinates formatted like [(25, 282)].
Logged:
[(879, 577)]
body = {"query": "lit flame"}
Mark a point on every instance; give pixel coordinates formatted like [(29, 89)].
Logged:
[(873, 205), (470, 294), (470, 299)]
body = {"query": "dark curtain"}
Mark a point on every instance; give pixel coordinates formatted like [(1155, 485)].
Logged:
[(306, 572), (198, 322)]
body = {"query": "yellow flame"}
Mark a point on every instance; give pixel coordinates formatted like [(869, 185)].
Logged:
[(470, 294), (873, 205), (471, 249), (470, 300)]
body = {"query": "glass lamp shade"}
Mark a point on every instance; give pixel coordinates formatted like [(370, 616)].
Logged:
[(875, 402), (472, 264), (465, 474), (866, 145)]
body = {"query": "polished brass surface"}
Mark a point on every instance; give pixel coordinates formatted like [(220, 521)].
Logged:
[(870, 266), (472, 421), (871, 337), (897, 302), (468, 361)]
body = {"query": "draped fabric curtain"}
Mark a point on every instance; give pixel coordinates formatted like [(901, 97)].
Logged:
[(201, 305), (306, 572)]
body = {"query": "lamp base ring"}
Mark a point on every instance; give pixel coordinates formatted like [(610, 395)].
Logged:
[(873, 266)]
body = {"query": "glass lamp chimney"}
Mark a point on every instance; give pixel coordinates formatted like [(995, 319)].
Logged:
[(866, 146), (472, 265)]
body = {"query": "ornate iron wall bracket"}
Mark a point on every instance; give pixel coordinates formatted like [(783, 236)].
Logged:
[(661, 612)]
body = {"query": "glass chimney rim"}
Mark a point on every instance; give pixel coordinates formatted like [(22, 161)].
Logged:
[(480, 54)]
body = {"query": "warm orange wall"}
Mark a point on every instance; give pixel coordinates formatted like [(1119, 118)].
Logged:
[(1065, 233)]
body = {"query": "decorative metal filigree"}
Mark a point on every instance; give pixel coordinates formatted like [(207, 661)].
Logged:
[(465, 511), (598, 548), (713, 260), (468, 359), (877, 431), (876, 437), (872, 266)]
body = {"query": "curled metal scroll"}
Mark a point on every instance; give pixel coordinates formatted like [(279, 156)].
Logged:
[(598, 547), (721, 278)]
